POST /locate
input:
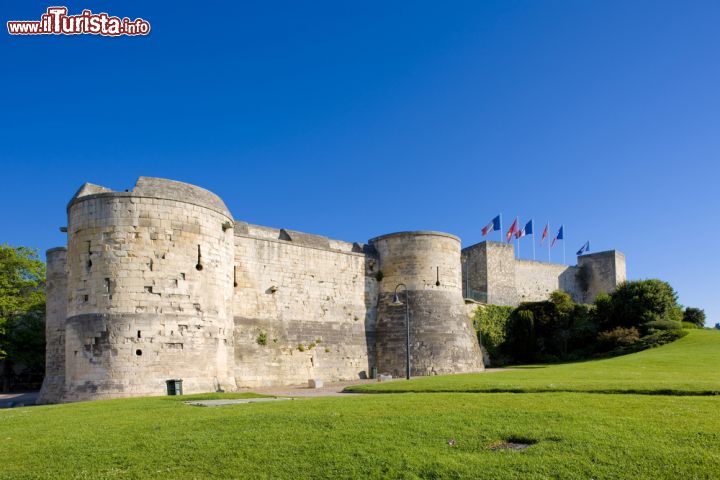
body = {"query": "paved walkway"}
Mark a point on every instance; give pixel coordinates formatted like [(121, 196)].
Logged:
[(8, 400), (329, 390), (334, 389)]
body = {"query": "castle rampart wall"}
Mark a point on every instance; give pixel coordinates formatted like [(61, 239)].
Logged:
[(160, 282), (535, 281), (305, 307), (492, 274)]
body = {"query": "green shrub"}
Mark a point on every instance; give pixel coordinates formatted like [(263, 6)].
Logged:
[(563, 302), (262, 339), (617, 337), (690, 325), (660, 338), (559, 327), (695, 316), (492, 323), (636, 304), (658, 325)]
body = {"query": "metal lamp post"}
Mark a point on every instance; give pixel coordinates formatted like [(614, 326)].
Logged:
[(397, 303)]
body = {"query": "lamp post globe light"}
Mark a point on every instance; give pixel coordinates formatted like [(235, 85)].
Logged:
[(396, 302)]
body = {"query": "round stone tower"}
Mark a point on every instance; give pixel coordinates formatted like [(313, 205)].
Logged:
[(56, 304), (442, 339), (150, 283)]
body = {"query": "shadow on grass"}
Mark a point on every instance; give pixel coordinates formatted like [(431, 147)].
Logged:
[(608, 391)]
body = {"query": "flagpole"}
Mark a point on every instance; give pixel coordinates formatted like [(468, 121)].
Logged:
[(533, 241), (548, 244), (564, 262)]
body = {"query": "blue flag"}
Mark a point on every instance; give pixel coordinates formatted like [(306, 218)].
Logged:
[(584, 248), (558, 236)]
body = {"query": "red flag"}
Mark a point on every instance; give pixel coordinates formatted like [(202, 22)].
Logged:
[(513, 229), (545, 233)]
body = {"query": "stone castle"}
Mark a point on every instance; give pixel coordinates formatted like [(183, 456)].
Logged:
[(161, 282)]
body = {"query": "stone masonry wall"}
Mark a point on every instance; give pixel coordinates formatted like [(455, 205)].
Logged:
[(304, 306), (140, 310), (492, 274), (535, 281), (442, 339), (489, 273), (604, 271), (56, 312), (160, 282)]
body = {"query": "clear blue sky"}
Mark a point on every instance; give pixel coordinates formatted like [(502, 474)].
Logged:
[(353, 119)]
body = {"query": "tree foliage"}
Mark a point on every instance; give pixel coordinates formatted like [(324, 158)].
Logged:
[(695, 316), (641, 304), (491, 324), (22, 308)]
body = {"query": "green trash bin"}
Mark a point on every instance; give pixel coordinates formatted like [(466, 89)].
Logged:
[(174, 386), (373, 373)]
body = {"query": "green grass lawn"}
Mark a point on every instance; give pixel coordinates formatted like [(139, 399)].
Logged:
[(689, 366), (395, 436), (577, 435)]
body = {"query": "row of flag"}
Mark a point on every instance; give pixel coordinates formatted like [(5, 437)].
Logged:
[(514, 231)]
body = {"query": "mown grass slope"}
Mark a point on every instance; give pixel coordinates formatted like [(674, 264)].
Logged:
[(688, 366), (575, 435), (368, 436)]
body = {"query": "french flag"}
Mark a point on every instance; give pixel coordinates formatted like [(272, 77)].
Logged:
[(558, 236), (526, 230), (493, 226)]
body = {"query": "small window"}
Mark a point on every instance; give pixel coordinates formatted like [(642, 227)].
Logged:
[(139, 334), (86, 298), (138, 352)]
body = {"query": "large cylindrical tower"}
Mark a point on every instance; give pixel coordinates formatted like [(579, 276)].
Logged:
[(55, 314), (150, 280), (441, 337)]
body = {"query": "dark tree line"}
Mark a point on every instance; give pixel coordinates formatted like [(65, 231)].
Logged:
[(22, 318)]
